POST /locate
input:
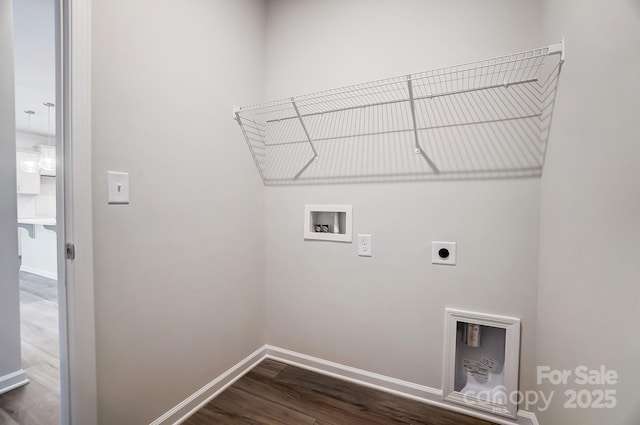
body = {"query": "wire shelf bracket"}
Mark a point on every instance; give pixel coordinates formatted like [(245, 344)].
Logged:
[(306, 133), (484, 119), (415, 128)]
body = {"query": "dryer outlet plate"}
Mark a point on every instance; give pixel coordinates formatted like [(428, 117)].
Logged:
[(443, 253)]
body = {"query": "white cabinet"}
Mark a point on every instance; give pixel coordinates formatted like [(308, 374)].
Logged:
[(28, 183), (48, 154)]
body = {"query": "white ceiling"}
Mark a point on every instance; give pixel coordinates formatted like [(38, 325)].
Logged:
[(34, 31)]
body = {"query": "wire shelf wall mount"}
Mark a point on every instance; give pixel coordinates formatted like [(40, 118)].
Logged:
[(485, 119)]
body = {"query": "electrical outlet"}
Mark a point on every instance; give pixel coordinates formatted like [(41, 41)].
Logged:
[(364, 245)]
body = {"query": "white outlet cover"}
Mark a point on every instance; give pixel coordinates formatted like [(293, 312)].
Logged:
[(365, 248), (436, 258)]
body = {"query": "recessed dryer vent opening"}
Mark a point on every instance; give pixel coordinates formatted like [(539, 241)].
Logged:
[(482, 353), (485, 119), (479, 363)]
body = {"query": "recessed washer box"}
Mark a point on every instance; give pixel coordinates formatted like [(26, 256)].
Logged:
[(328, 223)]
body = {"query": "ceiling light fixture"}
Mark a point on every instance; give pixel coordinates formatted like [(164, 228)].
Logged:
[(47, 154), (29, 165)]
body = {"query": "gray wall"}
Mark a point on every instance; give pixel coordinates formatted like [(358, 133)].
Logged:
[(9, 288), (590, 221), (385, 314), (179, 273)]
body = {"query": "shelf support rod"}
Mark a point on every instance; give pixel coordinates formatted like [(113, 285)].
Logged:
[(306, 132), (415, 128), (390, 102)]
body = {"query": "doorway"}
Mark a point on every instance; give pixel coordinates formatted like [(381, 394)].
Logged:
[(37, 169)]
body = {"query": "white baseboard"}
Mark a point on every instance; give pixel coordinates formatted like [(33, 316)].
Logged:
[(357, 376), (421, 393), (40, 272), (530, 416), (395, 386), (13, 380), (183, 410)]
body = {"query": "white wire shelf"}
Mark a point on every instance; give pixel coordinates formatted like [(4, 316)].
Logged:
[(484, 119)]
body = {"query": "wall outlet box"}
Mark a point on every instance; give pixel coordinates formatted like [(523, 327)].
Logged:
[(443, 253), (365, 249)]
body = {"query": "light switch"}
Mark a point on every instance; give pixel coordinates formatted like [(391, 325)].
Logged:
[(117, 187), (364, 245), (443, 253)]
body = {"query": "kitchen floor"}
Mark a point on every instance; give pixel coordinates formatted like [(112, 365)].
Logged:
[(37, 403)]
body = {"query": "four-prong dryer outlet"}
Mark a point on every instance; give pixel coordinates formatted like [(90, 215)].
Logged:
[(443, 253)]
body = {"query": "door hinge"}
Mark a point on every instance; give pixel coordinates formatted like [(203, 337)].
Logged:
[(70, 248)]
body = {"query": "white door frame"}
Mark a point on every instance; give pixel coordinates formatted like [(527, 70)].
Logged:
[(74, 212)]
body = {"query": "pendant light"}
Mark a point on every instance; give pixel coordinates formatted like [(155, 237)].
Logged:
[(47, 155), (28, 165)]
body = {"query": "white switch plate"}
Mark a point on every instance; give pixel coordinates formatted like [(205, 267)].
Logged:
[(437, 258), (117, 187), (364, 245)]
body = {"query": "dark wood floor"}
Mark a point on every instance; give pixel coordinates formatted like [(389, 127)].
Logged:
[(37, 403), (274, 393)]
